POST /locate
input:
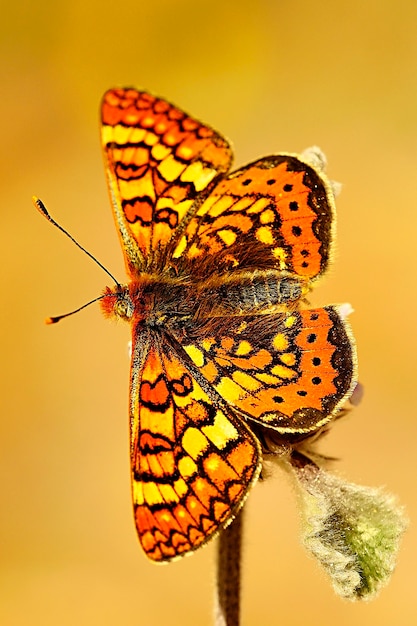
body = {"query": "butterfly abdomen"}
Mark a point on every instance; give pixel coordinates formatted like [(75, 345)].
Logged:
[(252, 292)]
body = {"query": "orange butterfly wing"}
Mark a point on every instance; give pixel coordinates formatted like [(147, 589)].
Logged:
[(158, 160), (290, 371), (275, 213), (192, 464)]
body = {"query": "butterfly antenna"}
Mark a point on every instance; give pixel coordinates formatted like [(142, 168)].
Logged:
[(54, 320), (42, 209)]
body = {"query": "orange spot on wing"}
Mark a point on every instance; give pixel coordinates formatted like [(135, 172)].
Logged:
[(155, 394)]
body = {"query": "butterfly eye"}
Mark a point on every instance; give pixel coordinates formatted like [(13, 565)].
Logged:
[(123, 307)]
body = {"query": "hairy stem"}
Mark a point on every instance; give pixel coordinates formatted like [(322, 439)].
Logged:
[(228, 573)]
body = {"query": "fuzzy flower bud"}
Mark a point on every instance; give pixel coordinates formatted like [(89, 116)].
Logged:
[(353, 531)]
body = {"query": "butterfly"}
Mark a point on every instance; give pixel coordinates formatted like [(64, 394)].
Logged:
[(219, 265)]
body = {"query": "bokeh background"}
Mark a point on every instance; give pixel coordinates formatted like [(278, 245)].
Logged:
[(272, 76)]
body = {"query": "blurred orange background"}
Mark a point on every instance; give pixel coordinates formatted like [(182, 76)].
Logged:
[(271, 76)]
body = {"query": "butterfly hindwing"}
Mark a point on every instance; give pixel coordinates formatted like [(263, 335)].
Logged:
[(158, 160), (289, 371), (275, 213), (192, 464)]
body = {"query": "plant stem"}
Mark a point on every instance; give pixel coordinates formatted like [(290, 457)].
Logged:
[(228, 573)]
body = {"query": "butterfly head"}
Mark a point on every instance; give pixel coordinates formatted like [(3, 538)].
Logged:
[(117, 303)]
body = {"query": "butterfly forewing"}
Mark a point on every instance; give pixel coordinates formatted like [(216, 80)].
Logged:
[(158, 161), (192, 464)]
